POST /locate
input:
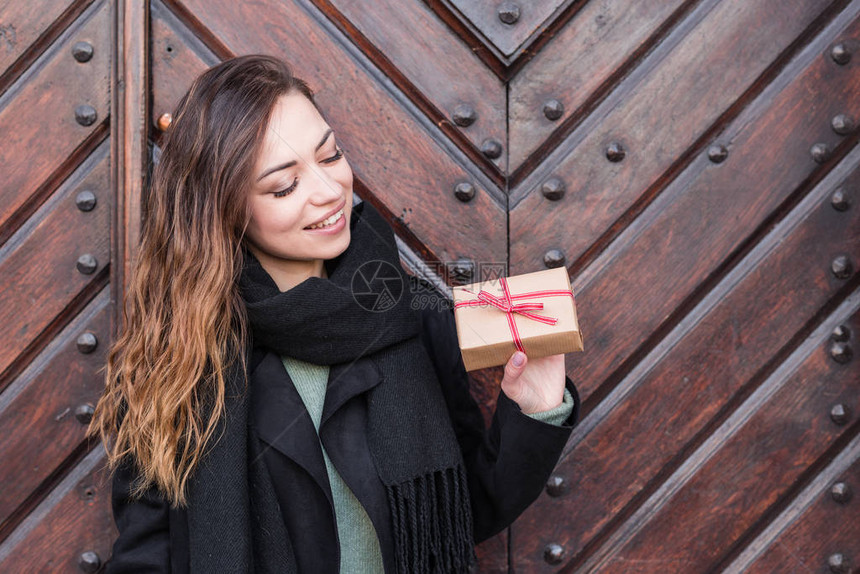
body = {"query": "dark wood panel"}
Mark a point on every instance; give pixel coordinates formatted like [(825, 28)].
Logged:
[(486, 384), (410, 175), (38, 266), (493, 555), (174, 60), (23, 23), (611, 32), (508, 38), (412, 42), (663, 116), (43, 404), (755, 469), (704, 367), (129, 147), (37, 121), (74, 519), (709, 212), (825, 528)]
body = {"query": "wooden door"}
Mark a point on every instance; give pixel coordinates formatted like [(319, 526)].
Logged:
[(693, 164), (57, 266)]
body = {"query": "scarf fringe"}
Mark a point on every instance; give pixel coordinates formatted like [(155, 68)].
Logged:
[(432, 522)]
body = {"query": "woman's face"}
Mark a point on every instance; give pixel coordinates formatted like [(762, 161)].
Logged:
[(301, 178)]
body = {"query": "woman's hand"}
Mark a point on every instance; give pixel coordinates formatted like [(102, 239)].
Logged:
[(536, 384)]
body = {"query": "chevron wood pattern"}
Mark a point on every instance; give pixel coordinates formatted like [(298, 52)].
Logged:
[(55, 264), (692, 163)]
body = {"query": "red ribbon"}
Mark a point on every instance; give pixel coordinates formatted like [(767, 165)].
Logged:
[(506, 304)]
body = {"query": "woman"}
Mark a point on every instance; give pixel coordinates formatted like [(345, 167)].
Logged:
[(259, 416)]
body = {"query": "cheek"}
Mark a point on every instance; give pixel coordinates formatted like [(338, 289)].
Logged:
[(345, 175), (254, 222), (271, 219), (252, 231), (259, 224)]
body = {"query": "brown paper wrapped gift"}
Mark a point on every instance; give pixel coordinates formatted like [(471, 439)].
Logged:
[(486, 330)]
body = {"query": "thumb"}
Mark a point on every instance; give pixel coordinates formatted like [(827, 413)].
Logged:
[(513, 369)]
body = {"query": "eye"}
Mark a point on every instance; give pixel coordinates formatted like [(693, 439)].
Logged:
[(285, 191), (338, 154)]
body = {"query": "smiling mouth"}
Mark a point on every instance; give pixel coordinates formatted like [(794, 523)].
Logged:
[(328, 222)]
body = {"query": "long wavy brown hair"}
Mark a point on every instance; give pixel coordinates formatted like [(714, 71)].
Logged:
[(184, 323)]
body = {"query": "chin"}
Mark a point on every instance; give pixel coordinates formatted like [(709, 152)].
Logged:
[(347, 240), (338, 249)]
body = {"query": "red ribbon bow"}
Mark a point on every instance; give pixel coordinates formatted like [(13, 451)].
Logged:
[(506, 304)]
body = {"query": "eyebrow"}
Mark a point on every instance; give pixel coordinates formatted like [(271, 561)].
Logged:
[(291, 163)]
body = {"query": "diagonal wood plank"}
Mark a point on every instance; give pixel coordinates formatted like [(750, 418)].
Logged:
[(745, 330), (443, 76), (598, 45), (42, 403), (707, 512), (38, 265), (176, 57), (75, 518), (530, 18), (817, 530), (695, 226), (685, 236), (25, 24), (678, 101), (38, 114)]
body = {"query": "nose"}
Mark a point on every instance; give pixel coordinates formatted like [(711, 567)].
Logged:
[(325, 188)]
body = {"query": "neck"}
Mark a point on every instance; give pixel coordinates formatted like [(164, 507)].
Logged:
[(289, 273)]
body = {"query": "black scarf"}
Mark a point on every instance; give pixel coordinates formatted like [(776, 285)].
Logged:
[(412, 442)]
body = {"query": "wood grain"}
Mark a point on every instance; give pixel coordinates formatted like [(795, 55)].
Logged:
[(507, 38), (74, 519), (707, 214), (758, 466), (42, 404), (23, 23), (38, 266), (410, 42), (657, 122), (493, 554), (37, 117), (823, 529), (769, 300), (129, 152), (613, 33), (176, 57)]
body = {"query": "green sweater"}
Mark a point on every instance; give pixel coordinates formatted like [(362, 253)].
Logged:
[(359, 544)]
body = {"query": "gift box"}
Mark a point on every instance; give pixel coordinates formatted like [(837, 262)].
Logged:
[(534, 313)]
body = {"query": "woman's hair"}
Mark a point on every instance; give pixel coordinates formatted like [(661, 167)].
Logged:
[(184, 323)]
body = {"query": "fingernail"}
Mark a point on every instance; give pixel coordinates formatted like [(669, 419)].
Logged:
[(519, 358)]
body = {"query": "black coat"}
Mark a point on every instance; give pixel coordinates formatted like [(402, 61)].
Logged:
[(507, 465)]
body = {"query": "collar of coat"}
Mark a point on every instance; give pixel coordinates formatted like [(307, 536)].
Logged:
[(281, 419)]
